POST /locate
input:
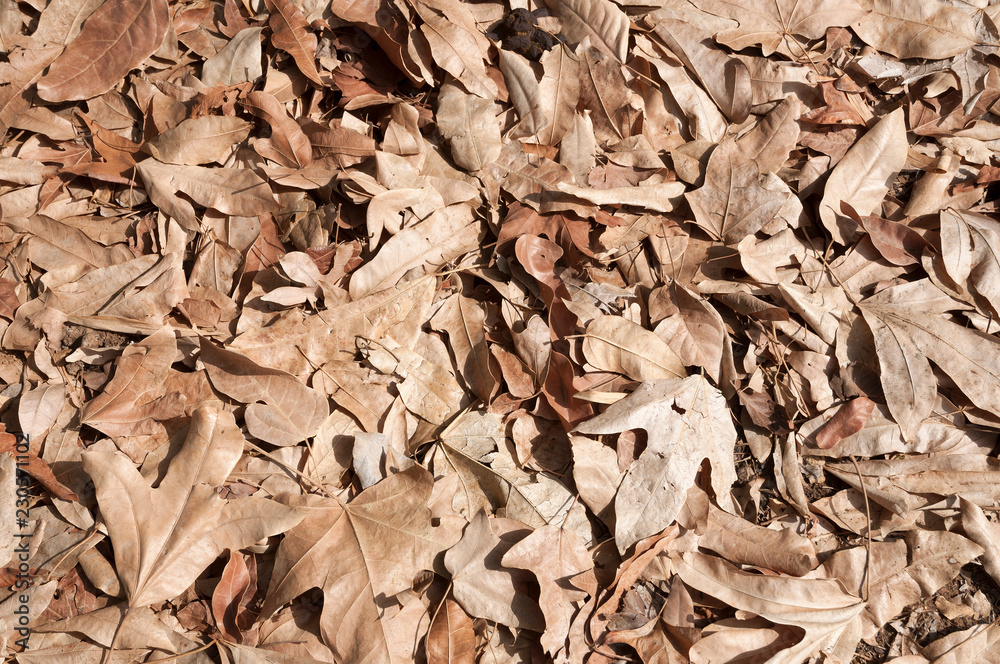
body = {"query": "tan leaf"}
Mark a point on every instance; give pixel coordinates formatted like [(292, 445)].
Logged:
[(776, 26), (229, 190), (909, 327), (818, 606), (686, 421), (360, 554), (564, 569), (456, 51), (655, 197), (464, 322), (451, 639), (297, 344), (601, 20), (292, 36), (482, 584), (968, 241), (769, 143), (427, 389), (198, 140), (136, 396), (735, 202), (281, 410), (524, 92), (903, 572), (613, 343), (288, 144), (164, 538), (558, 94), (470, 126), (117, 37), (917, 29), (863, 176), (425, 246)]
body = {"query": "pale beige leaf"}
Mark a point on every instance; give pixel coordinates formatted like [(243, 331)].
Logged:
[(595, 473), (470, 126), (281, 410), (863, 176), (524, 92), (917, 29), (985, 533), (38, 409), (769, 143), (686, 421), (425, 246), (564, 569), (164, 538), (613, 343), (199, 140), (359, 554), (482, 584), (237, 62), (735, 201), (601, 20), (117, 37), (775, 26)]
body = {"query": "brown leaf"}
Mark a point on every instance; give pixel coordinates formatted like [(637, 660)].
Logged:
[(135, 399), (361, 554), (281, 410), (464, 320), (451, 639), (118, 37), (164, 538), (601, 20), (469, 125), (198, 140), (292, 36)]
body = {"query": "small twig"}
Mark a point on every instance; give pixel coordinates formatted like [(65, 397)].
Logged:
[(868, 547)]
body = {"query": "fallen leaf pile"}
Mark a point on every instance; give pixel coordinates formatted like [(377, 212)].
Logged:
[(439, 331)]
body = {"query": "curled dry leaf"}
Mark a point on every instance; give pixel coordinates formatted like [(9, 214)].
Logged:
[(164, 538), (288, 144), (117, 37)]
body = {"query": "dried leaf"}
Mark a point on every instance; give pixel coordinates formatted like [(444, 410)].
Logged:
[(117, 37), (164, 538), (917, 29), (615, 344), (292, 36)]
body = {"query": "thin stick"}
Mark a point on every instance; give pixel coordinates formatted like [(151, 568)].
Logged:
[(868, 548)]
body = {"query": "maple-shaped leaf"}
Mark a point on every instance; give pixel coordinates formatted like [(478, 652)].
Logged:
[(774, 25), (687, 421), (164, 538), (911, 330), (361, 554)]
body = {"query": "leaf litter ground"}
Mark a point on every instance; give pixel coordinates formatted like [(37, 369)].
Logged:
[(453, 332)]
